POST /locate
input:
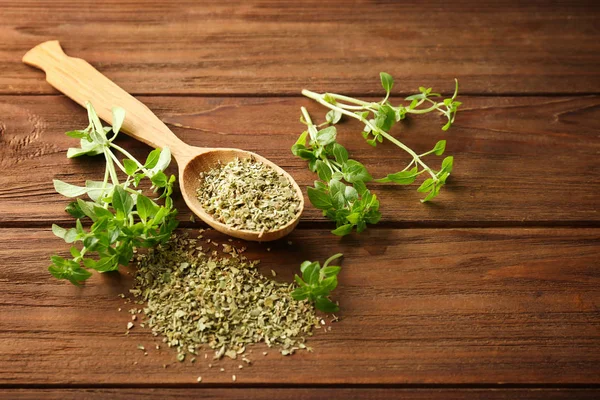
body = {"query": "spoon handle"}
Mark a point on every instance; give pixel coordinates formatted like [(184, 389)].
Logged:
[(77, 79)]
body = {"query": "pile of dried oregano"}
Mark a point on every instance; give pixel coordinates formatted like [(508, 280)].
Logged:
[(197, 296)]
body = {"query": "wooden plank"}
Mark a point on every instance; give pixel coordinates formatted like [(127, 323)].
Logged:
[(305, 394), (419, 306), (518, 160), (265, 47)]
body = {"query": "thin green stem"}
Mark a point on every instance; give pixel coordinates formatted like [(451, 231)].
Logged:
[(312, 130), (116, 160), (455, 89), (81, 254), (348, 107), (319, 98), (436, 106), (330, 164), (132, 191), (420, 102), (427, 153), (337, 164), (408, 150), (111, 167), (114, 136), (104, 183), (362, 105), (344, 98), (330, 259), (126, 154), (387, 96), (423, 110), (409, 165)]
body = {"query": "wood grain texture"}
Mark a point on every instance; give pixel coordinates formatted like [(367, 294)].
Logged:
[(518, 160), (419, 306), (304, 394), (471, 303), (268, 47)]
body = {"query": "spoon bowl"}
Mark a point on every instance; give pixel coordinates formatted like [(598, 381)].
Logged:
[(207, 159), (77, 79)]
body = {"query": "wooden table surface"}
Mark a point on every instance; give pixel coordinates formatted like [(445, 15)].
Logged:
[(492, 291)]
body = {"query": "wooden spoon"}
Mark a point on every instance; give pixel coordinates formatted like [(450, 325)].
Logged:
[(81, 82)]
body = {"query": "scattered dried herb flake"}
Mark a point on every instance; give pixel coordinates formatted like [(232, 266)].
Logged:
[(194, 299)]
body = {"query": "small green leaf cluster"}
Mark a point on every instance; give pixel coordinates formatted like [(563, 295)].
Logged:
[(122, 217), (447, 107), (432, 185), (340, 192), (380, 117), (317, 283)]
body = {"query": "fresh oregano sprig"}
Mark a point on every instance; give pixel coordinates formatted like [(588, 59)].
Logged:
[(317, 283), (349, 206), (379, 117), (122, 217)]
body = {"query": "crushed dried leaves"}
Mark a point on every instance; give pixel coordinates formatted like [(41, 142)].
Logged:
[(222, 301), (247, 194)]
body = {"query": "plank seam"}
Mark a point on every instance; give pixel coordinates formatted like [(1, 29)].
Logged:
[(298, 95), (326, 225), (447, 386)]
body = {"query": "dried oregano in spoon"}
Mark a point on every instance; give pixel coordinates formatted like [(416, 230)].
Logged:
[(247, 194)]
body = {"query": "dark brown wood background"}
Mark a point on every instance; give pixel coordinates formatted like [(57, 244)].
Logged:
[(490, 292)]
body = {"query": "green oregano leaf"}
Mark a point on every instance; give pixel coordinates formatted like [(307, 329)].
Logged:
[(326, 136), (323, 171), (386, 81), (333, 117), (68, 190), (439, 148), (130, 166), (77, 134), (342, 230), (118, 116), (402, 177), (152, 159), (340, 153), (319, 199), (426, 185), (145, 207)]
